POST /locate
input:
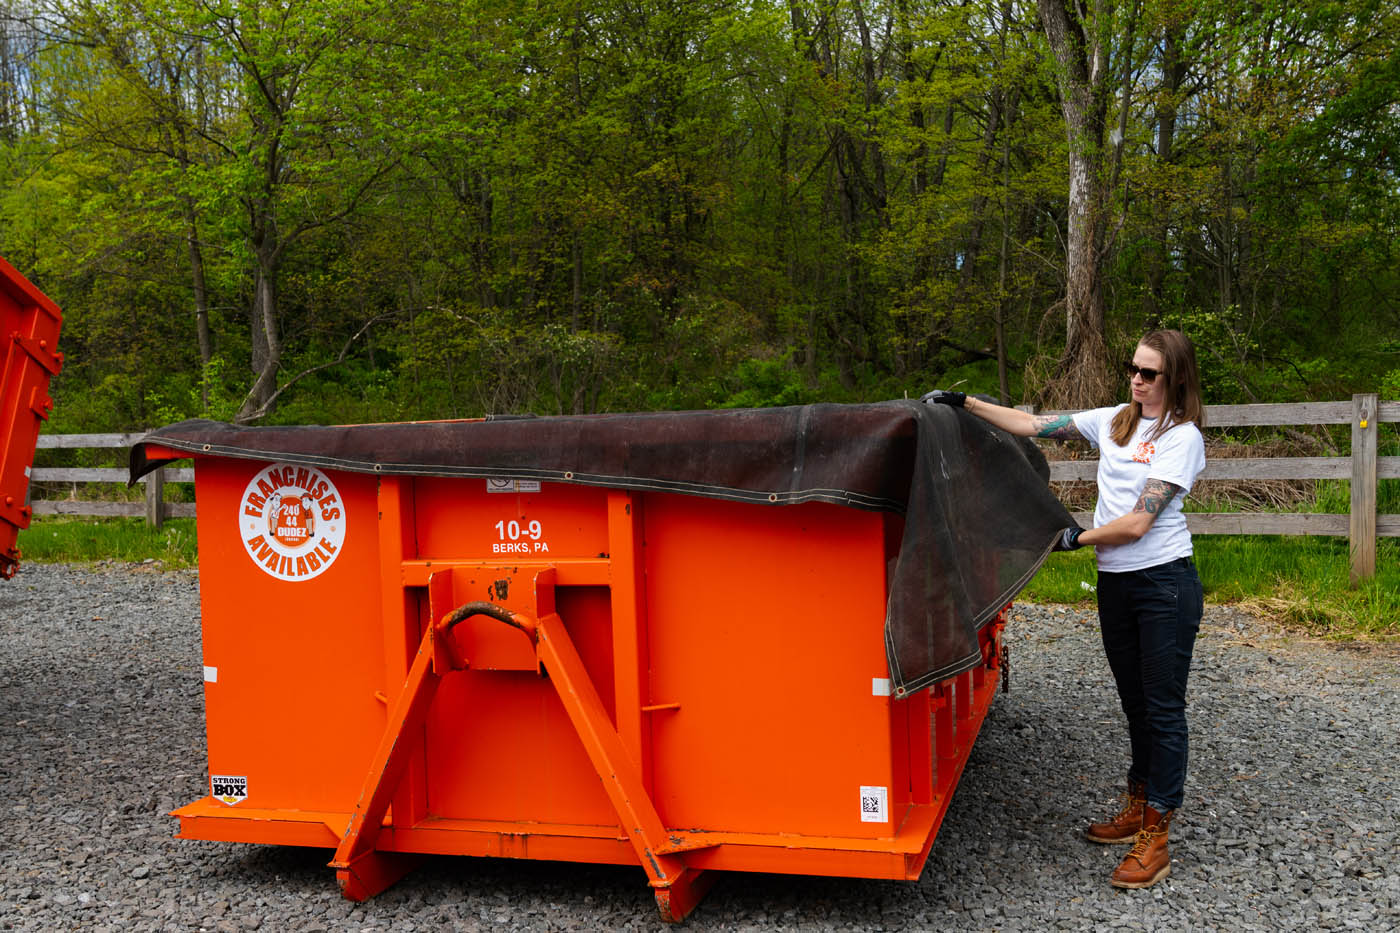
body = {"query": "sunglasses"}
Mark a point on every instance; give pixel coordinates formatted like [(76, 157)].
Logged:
[(1148, 375)]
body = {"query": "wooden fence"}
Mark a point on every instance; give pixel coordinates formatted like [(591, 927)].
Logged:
[(155, 508), (1363, 469)]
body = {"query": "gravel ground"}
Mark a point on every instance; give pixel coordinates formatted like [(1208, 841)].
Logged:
[(1289, 823)]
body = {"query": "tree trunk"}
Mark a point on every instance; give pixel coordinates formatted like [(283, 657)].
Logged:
[(1003, 382), (1173, 74), (267, 340), (266, 240), (1082, 376), (949, 112), (1085, 355), (180, 147), (576, 283), (201, 290), (481, 244), (972, 246)]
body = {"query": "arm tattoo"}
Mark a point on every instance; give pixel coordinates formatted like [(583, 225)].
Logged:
[(1155, 496), (1060, 427)]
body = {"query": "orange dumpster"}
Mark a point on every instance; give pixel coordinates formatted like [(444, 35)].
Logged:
[(740, 641), (29, 325)]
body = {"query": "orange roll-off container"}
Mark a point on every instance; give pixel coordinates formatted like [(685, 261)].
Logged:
[(29, 326), (404, 665)]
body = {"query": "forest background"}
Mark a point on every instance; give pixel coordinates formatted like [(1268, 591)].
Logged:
[(356, 210)]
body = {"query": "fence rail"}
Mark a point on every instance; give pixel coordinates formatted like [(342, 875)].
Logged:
[(1363, 468)]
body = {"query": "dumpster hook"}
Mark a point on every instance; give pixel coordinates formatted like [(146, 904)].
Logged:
[(499, 613)]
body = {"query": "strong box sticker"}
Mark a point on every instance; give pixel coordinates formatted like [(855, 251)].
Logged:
[(231, 789), (291, 521)]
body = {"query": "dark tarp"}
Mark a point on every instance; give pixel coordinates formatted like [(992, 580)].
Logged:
[(979, 515)]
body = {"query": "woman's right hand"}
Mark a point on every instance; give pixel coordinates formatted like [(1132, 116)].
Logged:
[(945, 397)]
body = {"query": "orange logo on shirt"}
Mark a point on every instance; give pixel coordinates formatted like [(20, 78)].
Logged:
[(1144, 452)]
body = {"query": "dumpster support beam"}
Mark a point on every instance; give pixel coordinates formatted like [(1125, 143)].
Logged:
[(678, 888), (363, 870)]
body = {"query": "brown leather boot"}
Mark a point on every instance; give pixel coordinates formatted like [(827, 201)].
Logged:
[(1123, 827), (1148, 862)]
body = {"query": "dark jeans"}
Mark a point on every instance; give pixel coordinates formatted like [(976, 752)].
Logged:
[(1149, 620)]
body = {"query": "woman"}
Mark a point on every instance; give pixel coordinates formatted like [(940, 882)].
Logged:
[(1150, 600)]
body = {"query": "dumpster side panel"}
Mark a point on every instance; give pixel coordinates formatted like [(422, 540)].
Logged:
[(29, 328), (765, 629), (291, 666)]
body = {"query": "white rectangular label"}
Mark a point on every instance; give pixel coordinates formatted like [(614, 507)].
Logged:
[(211, 674), (230, 788), (879, 686), (512, 485), (874, 804)]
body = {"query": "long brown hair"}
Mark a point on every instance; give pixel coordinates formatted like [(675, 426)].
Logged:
[(1181, 402)]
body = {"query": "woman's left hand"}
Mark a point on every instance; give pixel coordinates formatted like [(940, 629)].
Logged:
[(1069, 539)]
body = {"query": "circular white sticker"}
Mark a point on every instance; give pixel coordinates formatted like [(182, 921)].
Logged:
[(291, 521)]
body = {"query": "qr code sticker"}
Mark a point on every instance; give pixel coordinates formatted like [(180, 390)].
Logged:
[(874, 805)]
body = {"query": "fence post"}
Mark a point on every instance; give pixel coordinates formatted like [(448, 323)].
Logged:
[(155, 498), (1364, 410)]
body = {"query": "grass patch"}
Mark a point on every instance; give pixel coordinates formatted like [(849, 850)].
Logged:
[(1302, 581), (52, 538)]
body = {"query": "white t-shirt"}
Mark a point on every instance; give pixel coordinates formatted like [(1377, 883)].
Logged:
[(1176, 457)]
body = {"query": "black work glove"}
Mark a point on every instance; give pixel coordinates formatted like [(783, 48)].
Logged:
[(1069, 540), (944, 397)]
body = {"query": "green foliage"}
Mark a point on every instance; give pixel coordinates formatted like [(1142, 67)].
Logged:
[(212, 394), (1334, 495), (453, 209), (762, 383), (1390, 385)]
